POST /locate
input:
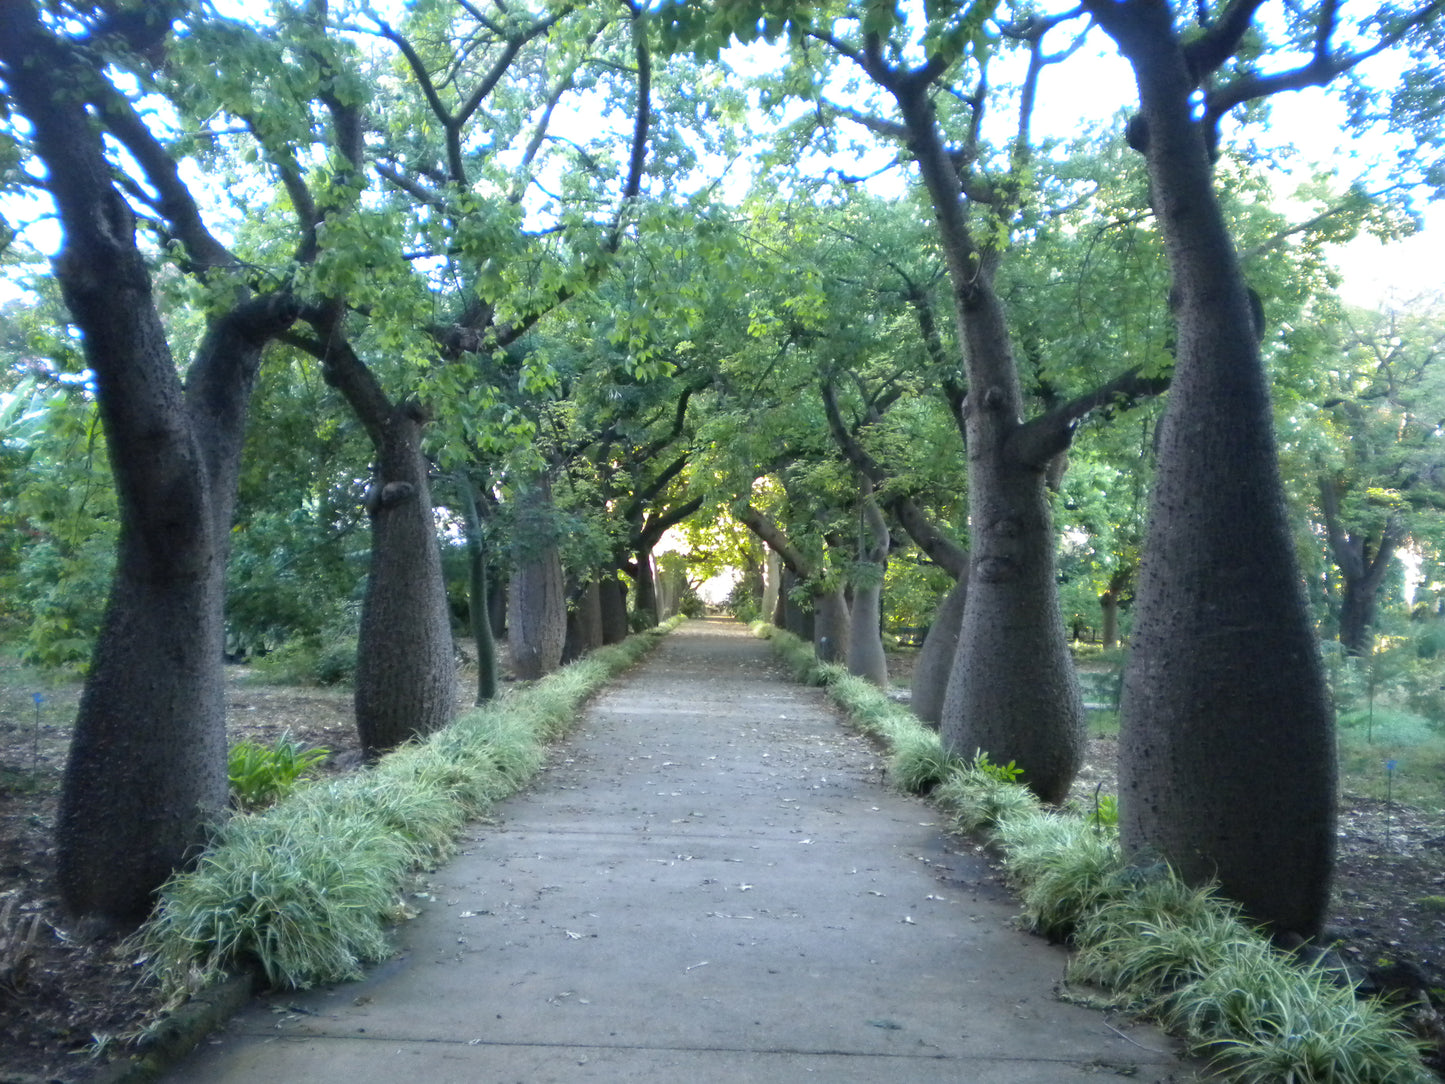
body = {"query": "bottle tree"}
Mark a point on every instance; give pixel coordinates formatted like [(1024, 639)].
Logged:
[(1227, 766), (147, 766)]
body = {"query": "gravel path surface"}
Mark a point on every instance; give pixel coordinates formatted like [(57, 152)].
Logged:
[(710, 882)]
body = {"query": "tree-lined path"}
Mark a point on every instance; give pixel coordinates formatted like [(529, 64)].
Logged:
[(711, 882)]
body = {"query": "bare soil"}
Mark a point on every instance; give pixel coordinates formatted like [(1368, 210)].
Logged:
[(65, 1005)]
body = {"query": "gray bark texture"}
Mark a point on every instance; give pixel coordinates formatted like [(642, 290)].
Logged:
[(584, 622), (1227, 766), (614, 610), (866, 658), (537, 617), (772, 575), (934, 664), (405, 658), (146, 773)]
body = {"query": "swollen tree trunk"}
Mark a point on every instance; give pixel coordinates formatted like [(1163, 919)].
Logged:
[(934, 664), (584, 622), (147, 768), (538, 600), (645, 605), (405, 659), (1013, 692), (613, 599), (1109, 602), (1227, 756), (866, 658)]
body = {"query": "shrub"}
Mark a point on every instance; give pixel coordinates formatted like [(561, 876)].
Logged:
[(261, 775)]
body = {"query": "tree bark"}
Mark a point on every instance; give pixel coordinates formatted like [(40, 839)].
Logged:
[(1013, 692), (1361, 570), (405, 659), (584, 622), (478, 594), (934, 665), (146, 773), (645, 582), (614, 609), (1227, 756), (772, 573), (866, 657), (538, 601), (830, 624)]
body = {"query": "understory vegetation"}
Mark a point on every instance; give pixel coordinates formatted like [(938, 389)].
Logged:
[(1142, 939), (305, 891)]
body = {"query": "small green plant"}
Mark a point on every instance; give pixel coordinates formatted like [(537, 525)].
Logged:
[(1106, 810), (1002, 773), (261, 775)]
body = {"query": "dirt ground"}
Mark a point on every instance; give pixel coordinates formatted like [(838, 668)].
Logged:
[(69, 1004)]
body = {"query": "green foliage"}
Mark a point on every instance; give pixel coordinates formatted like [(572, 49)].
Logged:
[(305, 660), (1003, 773), (919, 762), (262, 775)]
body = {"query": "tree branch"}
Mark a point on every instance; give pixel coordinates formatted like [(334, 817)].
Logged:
[(1040, 439)]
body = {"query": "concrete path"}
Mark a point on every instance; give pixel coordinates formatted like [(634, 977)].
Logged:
[(709, 883)]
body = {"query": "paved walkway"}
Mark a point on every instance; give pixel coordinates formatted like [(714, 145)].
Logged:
[(709, 883)]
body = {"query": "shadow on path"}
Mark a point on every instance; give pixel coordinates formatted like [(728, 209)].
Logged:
[(709, 882)]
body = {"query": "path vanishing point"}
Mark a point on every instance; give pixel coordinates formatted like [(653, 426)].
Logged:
[(710, 882)]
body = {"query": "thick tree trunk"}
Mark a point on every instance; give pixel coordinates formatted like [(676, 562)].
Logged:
[(935, 659), (830, 625), (497, 600), (614, 609), (798, 621), (147, 767), (772, 575), (1362, 562), (1358, 604), (1109, 614), (584, 622), (1013, 692), (538, 601), (645, 604), (405, 659), (1227, 757), (866, 657)]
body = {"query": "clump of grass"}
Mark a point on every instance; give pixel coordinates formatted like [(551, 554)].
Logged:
[(979, 797), (1063, 869), (260, 775), (306, 891), (920, 763)]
